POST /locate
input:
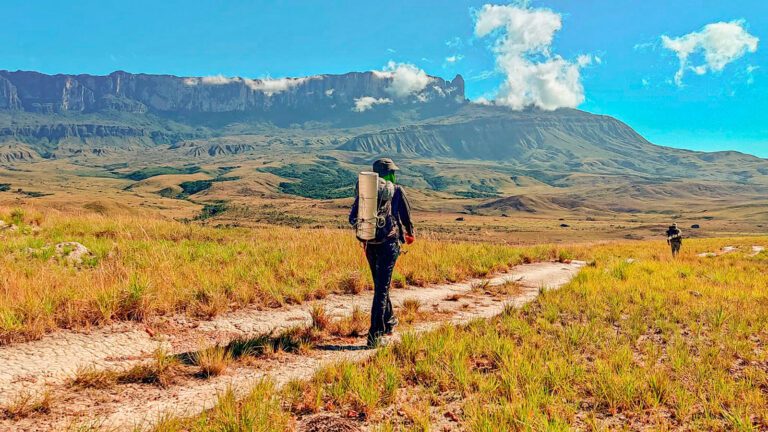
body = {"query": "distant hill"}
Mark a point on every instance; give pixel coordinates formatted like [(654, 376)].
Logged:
[(565, 140)]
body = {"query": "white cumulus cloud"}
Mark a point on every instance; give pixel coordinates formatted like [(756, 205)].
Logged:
[(482, 101), (406, 79), (367, 102), (268, 86), (271, 86), (219, 80), (523, 48), (720, 43), (454, 58)]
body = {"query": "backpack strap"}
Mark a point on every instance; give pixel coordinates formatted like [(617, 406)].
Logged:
[(384, 205)]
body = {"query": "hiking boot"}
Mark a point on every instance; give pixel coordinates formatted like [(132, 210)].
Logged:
[(377, 342), (393, 322)]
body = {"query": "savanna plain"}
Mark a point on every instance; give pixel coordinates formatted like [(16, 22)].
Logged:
[(636, 340)]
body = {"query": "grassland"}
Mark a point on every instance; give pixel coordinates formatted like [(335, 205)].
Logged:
[(142, 267), (529, 210), (637, 341), (146, 173)]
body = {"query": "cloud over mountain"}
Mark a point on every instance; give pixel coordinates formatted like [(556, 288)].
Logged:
[(269, 86), (720, 43), (523, 48), (407, 79), (367, 102)]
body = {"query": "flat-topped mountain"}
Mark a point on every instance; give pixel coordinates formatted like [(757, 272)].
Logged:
[(162, 94)]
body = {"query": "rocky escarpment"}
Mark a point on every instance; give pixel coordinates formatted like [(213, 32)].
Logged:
[(11, 153), (59, 131), (138, 93), (213, 149), (49, 135)]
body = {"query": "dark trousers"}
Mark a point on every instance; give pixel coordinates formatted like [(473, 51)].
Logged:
[(675, 247), (381, 259)]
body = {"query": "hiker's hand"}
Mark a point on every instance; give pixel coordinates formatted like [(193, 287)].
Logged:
[(409, 239)]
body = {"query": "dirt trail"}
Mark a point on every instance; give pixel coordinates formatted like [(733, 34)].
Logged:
[(48, 363), (723, 251), (730, 249)]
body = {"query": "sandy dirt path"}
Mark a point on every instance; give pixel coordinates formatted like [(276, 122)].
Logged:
[(756, 250), (50, 362)]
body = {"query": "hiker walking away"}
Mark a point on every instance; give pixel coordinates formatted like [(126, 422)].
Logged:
[(674, 239), (393, 228)]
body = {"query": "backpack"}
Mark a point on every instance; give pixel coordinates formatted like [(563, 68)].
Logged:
[(386, 226)]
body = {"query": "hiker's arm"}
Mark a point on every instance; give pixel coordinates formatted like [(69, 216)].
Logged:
[(353, 212), (404, 213)]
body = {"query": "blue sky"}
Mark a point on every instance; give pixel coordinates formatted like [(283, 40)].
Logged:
[(634, 80)]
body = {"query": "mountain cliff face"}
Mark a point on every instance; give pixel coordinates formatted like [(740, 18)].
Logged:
[(9, 97), (139, 93)]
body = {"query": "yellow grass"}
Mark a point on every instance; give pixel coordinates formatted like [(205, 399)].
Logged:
[(356, 324), (651, 344), (92, 377), (212, 361), (144, 267), (410, 310), (27, 404), (259, 411), (162, 371)]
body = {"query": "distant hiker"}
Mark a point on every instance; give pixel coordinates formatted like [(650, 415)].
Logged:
[(393, 227), (674, 239)]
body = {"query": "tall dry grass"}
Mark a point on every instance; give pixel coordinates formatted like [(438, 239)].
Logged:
[(650, 343), (145, 267), (259, 411)]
